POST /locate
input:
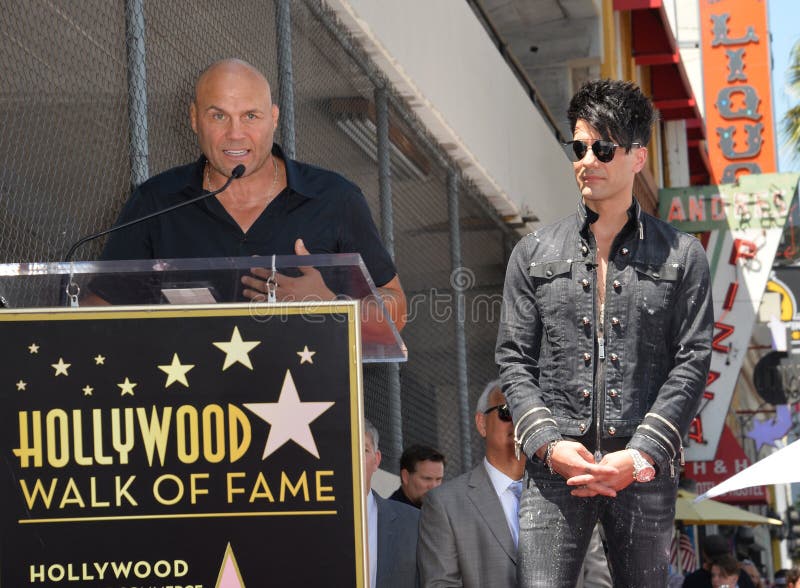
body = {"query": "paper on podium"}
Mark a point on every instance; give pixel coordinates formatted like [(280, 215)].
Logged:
[(202, 281)]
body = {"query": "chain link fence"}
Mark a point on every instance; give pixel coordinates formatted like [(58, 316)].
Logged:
[(95, 99)]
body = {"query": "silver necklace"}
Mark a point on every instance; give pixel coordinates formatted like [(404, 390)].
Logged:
[(271, 188)]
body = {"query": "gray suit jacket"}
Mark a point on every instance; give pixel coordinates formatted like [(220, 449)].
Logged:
[(464, 538), (397, 544), (595, 572)]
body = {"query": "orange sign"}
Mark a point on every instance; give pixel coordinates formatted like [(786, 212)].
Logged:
[(738, 95)]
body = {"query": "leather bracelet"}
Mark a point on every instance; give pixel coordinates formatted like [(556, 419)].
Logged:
[(548, 455)]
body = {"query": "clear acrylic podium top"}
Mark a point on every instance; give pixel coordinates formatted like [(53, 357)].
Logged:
[(201, 281)]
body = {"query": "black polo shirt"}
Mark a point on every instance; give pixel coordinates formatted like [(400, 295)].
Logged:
[(400, 496), (319, 206)]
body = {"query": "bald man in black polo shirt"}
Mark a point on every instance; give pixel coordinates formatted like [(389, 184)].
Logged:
[(279, 206)]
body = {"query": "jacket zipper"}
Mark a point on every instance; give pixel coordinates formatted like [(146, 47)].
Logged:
[(600, 377), (666, 422), (657, 442), (668, 448), (518, 439), (671, 446), (673, 428)]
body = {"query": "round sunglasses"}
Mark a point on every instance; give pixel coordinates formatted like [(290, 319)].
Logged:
[(603, 150), (503, 413)]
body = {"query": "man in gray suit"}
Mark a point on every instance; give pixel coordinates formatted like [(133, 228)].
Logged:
[(391, 528), (469, 526), (595, 572)]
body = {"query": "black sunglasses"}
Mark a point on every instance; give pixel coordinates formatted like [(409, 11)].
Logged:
[(502, 412), (603, 150)]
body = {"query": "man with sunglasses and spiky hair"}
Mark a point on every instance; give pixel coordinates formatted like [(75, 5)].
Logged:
[(604, 347), (469, 525)]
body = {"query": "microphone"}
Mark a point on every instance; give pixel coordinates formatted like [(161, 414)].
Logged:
[(237, 173)]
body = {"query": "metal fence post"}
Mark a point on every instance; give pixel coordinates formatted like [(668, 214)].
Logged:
[(459, 277), (387, 227), (384, 167), (137, 90), (283, 23)]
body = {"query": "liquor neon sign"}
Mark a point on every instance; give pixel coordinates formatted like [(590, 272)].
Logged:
[(738, 96)]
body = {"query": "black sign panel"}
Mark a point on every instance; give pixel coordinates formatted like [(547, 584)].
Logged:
[(214, 446)]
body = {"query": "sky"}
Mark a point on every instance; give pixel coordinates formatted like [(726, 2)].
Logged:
[(785, 33)]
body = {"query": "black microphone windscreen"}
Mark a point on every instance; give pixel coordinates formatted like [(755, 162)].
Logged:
[(238, 171)]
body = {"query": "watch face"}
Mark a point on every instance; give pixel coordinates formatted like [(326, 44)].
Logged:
[(646, 474)]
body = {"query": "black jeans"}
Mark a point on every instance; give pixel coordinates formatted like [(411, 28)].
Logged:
[(555, 528)]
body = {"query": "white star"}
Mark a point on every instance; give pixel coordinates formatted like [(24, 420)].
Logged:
[(237, 350), (289, 419), (306, 355), (61, 367), (21, 385), (127, 387), (33, 348), (87, 390), (99, 360), (176, 372)]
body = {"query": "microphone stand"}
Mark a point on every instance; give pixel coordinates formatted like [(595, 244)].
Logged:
[(72, 294)]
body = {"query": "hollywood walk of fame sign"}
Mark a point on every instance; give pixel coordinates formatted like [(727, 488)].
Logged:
[(215, 446)]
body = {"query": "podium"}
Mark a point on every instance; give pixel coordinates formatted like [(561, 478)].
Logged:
[(173, 433)]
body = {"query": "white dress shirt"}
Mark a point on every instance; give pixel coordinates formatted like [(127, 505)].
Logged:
[(372, 537), (508, 500)]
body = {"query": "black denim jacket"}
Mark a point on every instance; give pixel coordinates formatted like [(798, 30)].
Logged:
[(658, 328)]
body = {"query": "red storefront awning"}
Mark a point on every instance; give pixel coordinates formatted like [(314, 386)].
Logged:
[(653, 45)]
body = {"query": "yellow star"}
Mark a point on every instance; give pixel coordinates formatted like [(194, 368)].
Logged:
[(99, 360), (61, 367), (127, 387), (306, 355), (21, 385), (33, 348), (237, 350), (87, 390), (176, 372)]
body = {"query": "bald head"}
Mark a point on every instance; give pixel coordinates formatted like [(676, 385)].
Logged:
[(228, 69), (234, 118)]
